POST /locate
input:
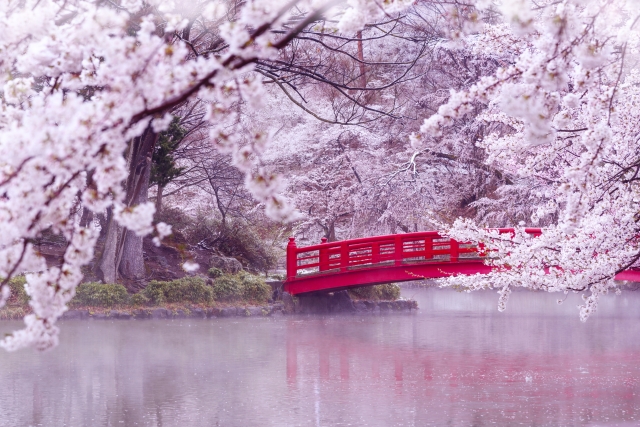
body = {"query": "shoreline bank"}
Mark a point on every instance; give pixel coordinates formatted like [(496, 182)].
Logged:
[(278, 308)]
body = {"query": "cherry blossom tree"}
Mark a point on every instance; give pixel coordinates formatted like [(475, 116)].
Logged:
[(86, 88), (354, 175), (563, 106)]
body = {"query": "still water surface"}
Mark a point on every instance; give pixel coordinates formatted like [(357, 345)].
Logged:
[(457, 362)]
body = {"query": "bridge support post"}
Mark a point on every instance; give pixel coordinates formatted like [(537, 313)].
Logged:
[(428, 248), (323, 256), (398, 251), (455, 251), (292, 259), (344, 257), (375, 253)]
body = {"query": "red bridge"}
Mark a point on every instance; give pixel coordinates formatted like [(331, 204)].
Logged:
[(386, 259)]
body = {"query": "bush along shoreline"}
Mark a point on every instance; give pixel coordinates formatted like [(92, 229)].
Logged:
[(219, 295)]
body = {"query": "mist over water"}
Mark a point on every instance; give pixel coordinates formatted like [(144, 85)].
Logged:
[(458, 362)]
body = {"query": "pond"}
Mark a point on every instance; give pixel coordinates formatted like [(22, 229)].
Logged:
[(456, 362)]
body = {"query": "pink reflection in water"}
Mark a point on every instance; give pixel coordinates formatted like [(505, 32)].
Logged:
[(468, 370)]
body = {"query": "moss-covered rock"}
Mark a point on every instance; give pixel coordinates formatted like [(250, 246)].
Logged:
[(387, 292)]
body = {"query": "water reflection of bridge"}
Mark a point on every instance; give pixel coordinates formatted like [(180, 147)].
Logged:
[(385, 259), (436, 365)]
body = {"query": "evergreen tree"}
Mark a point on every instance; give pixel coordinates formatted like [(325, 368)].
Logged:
[(164, 168)]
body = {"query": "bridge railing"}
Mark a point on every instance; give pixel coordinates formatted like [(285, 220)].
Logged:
[(382, 251)]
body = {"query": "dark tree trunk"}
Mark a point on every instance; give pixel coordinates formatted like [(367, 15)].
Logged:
[(221, 207), (130, 258), (159, 199), (87, 217), (122, 255), (329, 231), (331, 235), (107, 271), (103, 220)]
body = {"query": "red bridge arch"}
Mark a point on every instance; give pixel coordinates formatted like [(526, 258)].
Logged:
[(385, 259)]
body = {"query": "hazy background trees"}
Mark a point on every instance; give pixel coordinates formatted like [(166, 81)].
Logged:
[(341, 109)]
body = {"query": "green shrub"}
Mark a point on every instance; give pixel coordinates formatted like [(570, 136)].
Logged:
[(227, 288), (154, 292), (191, 289), (139, 299), (214, 272), (18, 294), (254, 287), (100, 295), (387, 292)]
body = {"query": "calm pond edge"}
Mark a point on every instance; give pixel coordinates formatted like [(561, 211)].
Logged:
[(195, 312)]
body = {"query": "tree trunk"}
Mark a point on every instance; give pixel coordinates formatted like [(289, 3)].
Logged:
[(107, 271), (122, 255), (131, 261), (330, 232), (221, 208), (159, 199), (363, 79), (87, 217), (103, 222)]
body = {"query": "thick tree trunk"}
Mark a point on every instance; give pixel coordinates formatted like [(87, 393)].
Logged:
[(122, 256), (107, 271), (131, 261)]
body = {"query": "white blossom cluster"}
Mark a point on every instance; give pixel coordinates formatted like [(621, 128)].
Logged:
[(567, 90), (78, 80)]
